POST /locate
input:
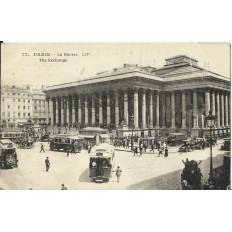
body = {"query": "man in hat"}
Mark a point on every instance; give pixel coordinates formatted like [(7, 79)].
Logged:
[(47, 163), (63, 187)]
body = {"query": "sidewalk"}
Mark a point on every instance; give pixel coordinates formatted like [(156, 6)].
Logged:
[(129, 150)]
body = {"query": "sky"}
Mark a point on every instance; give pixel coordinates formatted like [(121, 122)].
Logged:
[(21, 66)]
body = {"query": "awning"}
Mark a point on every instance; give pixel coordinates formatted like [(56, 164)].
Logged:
[(87, 136), (104, 136)]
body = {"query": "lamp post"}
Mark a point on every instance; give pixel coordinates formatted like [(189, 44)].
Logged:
[(132, 127), (210, 120)]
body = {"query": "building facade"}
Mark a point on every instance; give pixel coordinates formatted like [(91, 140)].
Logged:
[(39, 109), (16, 105), (176, 98), (20, 104)]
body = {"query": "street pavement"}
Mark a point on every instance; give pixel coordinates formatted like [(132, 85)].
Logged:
[(145, 172)]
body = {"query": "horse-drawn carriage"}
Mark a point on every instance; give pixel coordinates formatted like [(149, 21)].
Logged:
[(191, 175)]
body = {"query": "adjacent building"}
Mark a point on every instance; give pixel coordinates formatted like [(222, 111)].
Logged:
[(174, 98), (20, 105)]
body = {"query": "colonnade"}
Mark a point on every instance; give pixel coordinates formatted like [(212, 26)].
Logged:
[(142, 108)]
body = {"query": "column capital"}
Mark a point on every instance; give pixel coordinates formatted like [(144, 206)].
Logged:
[(135, 89)]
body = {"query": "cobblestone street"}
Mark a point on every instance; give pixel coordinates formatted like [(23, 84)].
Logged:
[(146, 172)]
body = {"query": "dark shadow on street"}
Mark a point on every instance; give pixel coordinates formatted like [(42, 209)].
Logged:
[(84, 177), (172, 180)]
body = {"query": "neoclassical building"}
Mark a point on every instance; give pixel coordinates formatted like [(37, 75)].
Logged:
[(174, 98)]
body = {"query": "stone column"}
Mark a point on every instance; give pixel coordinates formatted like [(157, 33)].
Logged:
[(226, 110), (62, 110), (86, 110), (195, 109), (151, 108), (144, 124), (126, 106), (73, 110), (218, 110), (51, 108), (108, 120), (157, 109), (163, 109), (207, 102), (57, 110), (67, 111), (93, 109), (222, 110), (184, 113), (100, 109), (213, 102), (79, 109), (173, 107), (47, 109), (136, 106), (116, 109), (229, 118)]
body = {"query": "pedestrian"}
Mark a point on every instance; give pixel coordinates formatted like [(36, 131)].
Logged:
[(140, 151), (118, 173), (152, 147), (160, 152), (68, 150), (136, 150), (42, 148), (47, 163), (145, 146), (63, 187), (166, 152)]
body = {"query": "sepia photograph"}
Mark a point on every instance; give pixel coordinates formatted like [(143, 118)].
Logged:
[(115, 116)]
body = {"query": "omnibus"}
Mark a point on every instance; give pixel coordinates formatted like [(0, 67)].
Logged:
[(101, 162), (65, 141), (8, 155), (12, 135)]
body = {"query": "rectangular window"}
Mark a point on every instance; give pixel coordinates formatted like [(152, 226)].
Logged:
[(29, 114), (24, 101), (28, 101), (18, 107), (3, 113), (24, 114), (19, 94), (3, 99), (8, 114), (19, 114), (24, 107), (18, 100), (13, 100), (8, 107), (28, 107)]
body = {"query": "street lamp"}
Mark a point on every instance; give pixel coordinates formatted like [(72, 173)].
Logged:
[(132, 127), (210, 120)]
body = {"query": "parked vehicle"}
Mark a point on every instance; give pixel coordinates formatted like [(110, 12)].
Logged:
[(8, 155), (187, 146), (26, 144), (65, 141), (174, 139), (45, 138), (101, 162), (226, 145)]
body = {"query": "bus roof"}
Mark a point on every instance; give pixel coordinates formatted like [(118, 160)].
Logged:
[(102, 148), (5, 141)]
